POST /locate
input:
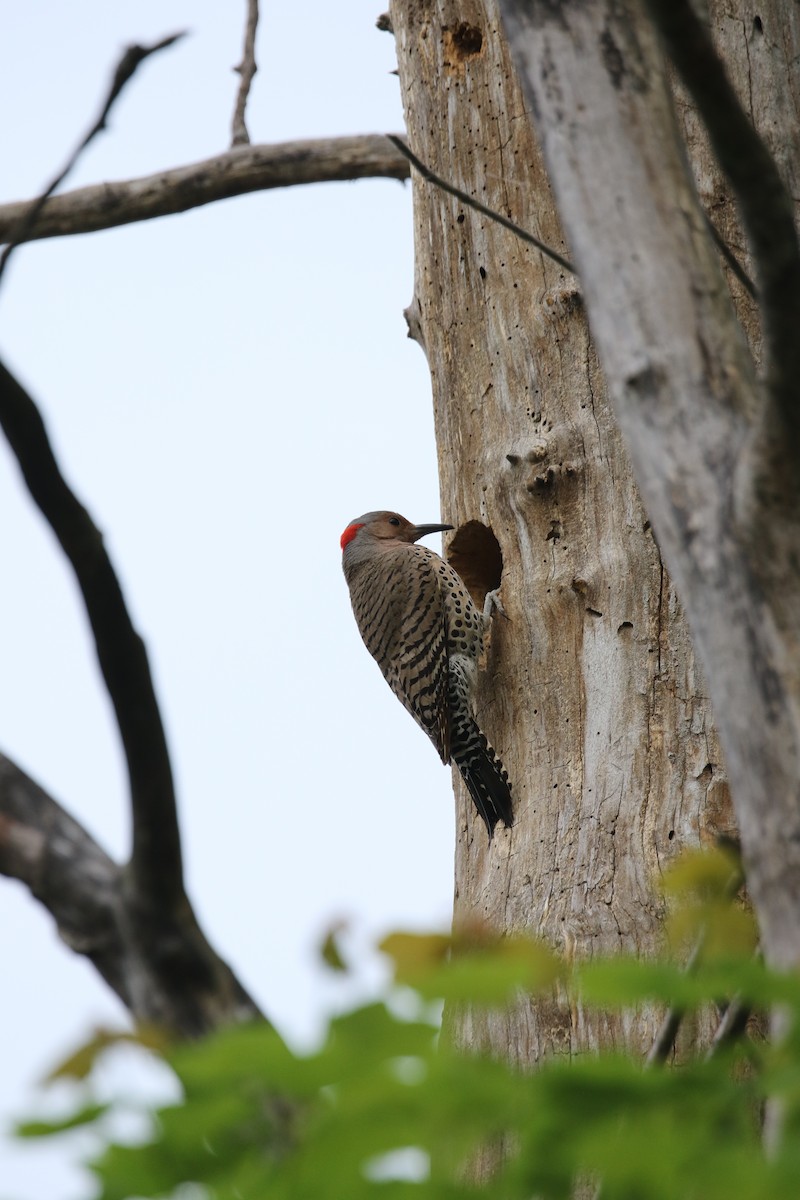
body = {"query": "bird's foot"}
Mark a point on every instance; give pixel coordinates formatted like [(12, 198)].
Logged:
[(492, 604)]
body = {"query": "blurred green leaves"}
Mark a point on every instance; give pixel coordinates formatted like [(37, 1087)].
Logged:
[(385, 1108)]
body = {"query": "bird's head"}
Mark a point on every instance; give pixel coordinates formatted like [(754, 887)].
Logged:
[(383, 527)]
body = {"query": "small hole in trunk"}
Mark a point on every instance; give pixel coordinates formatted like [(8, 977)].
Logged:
[(475, 553)]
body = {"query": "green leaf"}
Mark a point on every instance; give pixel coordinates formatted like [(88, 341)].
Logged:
[(475, 964), (78, 1064), (232, 1058), (84, 1116), (330, 950), (415, 955), (257, 1120), (703, 875)]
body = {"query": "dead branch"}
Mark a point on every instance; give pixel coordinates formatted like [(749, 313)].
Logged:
[(470, 201), (234, 173), (158, 963), (64, 868), (156, 864)]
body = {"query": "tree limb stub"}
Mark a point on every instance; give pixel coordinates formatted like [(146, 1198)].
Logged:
[(237, 172)]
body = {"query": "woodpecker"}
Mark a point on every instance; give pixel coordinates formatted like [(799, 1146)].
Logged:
[(420, 625)]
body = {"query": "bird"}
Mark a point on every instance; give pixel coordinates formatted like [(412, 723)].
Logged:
[(419, 623)]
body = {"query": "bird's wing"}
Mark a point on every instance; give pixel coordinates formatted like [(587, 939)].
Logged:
[(418, 669)]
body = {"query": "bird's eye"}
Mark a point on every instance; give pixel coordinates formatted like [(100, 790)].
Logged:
[(393, 521)]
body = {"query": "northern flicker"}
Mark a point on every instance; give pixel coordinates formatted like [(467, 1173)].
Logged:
[(420, 625)]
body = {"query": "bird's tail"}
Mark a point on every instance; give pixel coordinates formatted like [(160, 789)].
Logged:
[(483, 773)]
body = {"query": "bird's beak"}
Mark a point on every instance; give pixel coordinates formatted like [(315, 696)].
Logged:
[(421, 531)]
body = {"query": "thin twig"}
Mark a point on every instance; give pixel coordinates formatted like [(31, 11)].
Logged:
[(157, 871), (126, 68), (246, 70), (731, 259), (668, 1032), (471, 202), (732, 1025)]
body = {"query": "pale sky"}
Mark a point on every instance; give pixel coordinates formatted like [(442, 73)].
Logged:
[(225, 390)]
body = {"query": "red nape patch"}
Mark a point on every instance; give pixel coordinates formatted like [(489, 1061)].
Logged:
[(349, 534)]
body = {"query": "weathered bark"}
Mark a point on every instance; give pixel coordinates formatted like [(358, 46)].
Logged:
[(235, 173), (592, 695), (720, 486)]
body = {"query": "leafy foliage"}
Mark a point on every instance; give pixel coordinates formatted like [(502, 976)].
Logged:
[(386, 1108)]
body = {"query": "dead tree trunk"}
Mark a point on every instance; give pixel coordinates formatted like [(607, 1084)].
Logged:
[(592, 694)]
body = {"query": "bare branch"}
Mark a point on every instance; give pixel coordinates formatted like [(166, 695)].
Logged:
[(250, 169), (126, 68), (156, 859), (234, 173), (246, 69), (157, 961), (765, 203)]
